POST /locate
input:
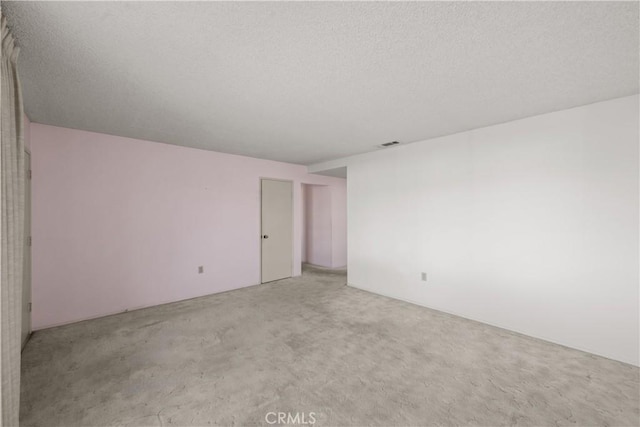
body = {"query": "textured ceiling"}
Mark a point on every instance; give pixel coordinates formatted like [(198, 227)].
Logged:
[(305, 82)]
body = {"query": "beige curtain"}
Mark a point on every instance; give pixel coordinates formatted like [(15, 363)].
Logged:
[(12, 195)]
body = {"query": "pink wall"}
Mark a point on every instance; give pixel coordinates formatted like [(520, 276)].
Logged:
[(303, 193), (339, 226), (325, 225), (120, 223), (318, 225)]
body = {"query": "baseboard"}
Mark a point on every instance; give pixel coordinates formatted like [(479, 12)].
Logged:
[(322, 267)]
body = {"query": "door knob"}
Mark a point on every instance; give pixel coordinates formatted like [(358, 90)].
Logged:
[(266, 236)]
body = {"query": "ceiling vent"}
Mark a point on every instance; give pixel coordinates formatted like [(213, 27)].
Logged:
[(389, 144)]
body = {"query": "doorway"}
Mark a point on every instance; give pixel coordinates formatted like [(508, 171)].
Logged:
[(276, 234), (317, 225)]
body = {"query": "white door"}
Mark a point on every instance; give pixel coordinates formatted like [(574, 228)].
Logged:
[(277, 229), (26, 281)]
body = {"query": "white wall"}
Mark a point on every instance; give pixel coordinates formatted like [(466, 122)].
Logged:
[(530, 225)]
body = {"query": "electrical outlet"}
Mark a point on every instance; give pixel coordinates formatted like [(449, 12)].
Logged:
[(424, 276), (201, 269)]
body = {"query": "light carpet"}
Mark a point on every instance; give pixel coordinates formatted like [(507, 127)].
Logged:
[(315, 349)]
